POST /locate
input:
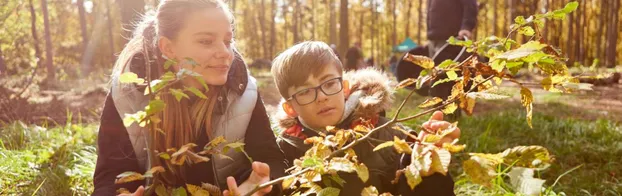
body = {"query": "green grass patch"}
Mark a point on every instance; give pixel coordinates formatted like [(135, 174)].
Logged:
[(595, 144), (37, 160)]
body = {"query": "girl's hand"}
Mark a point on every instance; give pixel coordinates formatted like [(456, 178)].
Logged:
[(260, 175), (436, 123)]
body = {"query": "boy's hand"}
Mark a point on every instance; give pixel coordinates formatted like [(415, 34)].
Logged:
[(260, 175), (436, 123)]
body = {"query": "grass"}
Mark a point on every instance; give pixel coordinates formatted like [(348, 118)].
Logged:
[(37, 160), (594, 144)]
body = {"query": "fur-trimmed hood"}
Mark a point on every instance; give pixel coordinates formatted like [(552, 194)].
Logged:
[(371, 92)]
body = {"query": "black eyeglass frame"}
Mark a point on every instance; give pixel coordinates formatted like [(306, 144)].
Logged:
[(315, 89)]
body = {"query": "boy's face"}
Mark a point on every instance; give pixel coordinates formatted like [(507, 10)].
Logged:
[(325, 110)]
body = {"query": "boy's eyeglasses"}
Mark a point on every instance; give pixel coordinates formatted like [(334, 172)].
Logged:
[(309, 95)]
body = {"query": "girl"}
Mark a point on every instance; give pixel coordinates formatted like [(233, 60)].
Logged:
[(201, 30)]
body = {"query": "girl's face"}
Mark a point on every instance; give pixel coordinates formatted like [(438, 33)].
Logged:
[(205, 37)]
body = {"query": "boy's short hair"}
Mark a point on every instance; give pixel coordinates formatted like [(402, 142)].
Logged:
[(296, 64)]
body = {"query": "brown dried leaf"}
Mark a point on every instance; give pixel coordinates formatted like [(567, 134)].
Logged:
[(405, 83), (430, 102), (527, 100), (422, 61), (449, 109), (195, 190)]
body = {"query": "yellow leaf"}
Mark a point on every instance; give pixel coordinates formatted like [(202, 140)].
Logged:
[(154, 170), (527, 156), (405, 83), (440, 161), (449, 109), (457, 90), (288, 182), (383, 145), (422, 61), (430, 102), (401, 146), (361, 128), (196, 190), (179, 157), (430, 138), (413, 178), (341, 164), (128, 177), (362, 172), (370, 191), (527, 99), (480, 173), (454, 148), (467, 104), (195, 158), (123, 191)]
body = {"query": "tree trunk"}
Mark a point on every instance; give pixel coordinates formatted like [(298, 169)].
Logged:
[(273, 30), (578, 30), (233, 5), (410, 4), (394, 15), (569, 45), (372, 27), (420, 30), (332, 22), (49, 55), (35, 37), (285, 26), (130, 11), (313, 14), (612, 38), (296, 19), (82, 14), (361, 25), (262, 28), (344, 38), (110, 31), (495, 17), (2, 63)]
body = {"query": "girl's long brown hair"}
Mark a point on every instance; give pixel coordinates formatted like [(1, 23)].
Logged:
[(181, 121)]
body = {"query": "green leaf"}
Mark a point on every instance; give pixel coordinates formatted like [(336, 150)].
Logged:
[(444, 81), (161, 190), (447, 63), (452, 75), (202, 81), (526, 30), (383, 145), (311, 162), (498, 65), (329, 191), (570, 7), (178, 94), (130, 77), (196, 92), (165, 156), (168, 76), (154, 106), (191, 61), (169, 63), (181, 191), (520, 20)]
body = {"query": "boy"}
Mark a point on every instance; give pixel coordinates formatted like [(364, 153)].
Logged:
[(310, 78)]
